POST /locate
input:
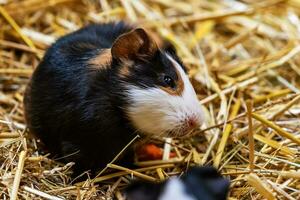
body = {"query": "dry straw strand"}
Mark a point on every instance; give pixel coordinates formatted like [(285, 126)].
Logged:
[(250, 135), (279, 130), (18, 175), (260, 186)]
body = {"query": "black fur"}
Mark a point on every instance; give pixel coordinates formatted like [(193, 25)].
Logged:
[(77, 111), (206, 183), (150, 73), (138, 190)]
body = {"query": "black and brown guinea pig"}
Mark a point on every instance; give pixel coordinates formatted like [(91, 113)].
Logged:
[(98, 87), (199, 183)]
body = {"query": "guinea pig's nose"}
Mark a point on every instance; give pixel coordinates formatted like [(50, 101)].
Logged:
[(192, 122)]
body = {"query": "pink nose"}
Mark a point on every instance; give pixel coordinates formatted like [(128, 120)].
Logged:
[(192, 123)]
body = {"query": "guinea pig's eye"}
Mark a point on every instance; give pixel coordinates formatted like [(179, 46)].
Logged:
[(169, 81)]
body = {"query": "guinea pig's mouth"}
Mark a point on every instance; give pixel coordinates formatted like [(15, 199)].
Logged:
[(181, 132), (185, 128)]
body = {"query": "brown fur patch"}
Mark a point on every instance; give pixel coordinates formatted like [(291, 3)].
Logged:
[(102, 60), (179, 86), (133, 45), (125, 68)]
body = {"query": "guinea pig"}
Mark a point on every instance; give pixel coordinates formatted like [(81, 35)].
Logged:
[(97, 88), (199, 183)]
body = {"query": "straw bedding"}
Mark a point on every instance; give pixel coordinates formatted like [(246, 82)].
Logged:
[(243, 59)]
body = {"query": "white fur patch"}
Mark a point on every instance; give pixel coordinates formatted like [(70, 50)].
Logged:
[(174, 189), (154, 111)]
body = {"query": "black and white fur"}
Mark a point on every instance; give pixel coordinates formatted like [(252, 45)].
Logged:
[(98, 87), (199, 183)]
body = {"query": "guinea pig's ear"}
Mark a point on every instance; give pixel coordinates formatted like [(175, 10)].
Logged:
[(134, 45)]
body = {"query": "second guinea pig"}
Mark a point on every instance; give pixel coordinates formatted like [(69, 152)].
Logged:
[(98, 87)]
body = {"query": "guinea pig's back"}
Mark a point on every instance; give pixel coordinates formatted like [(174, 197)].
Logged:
[(61, 81)]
